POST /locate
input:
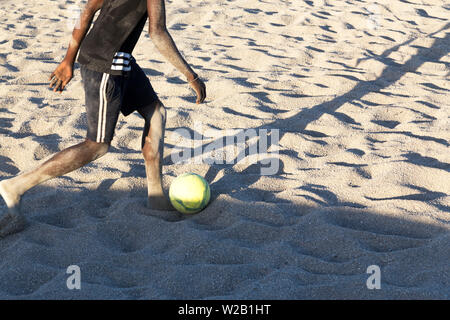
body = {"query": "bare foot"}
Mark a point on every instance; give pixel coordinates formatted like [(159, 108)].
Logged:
[(159, 202), (13, 221), (11, 198)]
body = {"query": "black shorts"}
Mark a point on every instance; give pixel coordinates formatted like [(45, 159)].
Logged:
[(107, 95)]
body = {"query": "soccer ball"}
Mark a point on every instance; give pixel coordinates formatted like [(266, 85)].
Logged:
[(189, 193)]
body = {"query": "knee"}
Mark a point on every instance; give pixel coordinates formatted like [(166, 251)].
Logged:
[(150, 150), (160, 108), (98, 149), (102, 149)]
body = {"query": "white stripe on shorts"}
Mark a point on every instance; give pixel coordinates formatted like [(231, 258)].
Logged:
[(120, 67), (121, 61), (122, 54), (103, 103)]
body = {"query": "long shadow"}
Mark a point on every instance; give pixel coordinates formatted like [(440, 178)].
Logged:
[(391, 74)]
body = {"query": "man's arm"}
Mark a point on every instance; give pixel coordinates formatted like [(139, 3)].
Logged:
[(64, 72), (166, 46)]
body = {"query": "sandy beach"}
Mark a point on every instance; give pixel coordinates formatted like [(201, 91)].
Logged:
[(354, 96)]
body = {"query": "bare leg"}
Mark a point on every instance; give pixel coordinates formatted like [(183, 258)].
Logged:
[(63, 162), (153, 150)]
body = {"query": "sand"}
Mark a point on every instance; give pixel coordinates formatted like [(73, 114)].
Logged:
[(359, 93)]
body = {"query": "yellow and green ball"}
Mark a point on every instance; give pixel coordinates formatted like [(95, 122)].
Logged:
[(189, 193)]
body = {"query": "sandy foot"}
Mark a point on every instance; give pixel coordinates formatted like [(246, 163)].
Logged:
[(13, 221), (11, 199), (159, 203)]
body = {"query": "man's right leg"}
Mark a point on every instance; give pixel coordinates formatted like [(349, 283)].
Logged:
[(153, 151), (61, 163)]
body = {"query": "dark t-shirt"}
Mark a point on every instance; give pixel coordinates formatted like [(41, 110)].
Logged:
[(109, 44)]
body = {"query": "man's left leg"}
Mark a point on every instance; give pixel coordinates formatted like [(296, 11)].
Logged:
[(65, 161), (153, 151)]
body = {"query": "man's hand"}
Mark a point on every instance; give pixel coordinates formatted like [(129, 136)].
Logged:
[(64, 72), (61, 76), (199, 88)]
